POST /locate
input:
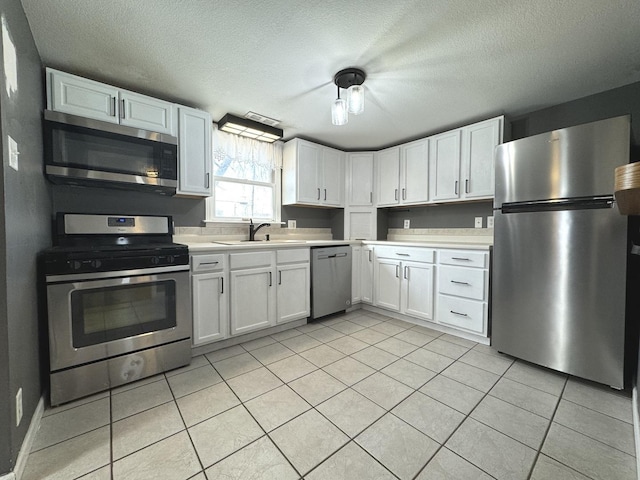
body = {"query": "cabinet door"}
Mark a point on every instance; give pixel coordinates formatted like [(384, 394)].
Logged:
[(356, 276), (210, 307), (387, 283), (366, 279), (388, 174), (360, 223), (417, 290), (294, 292), (415, 172), (332, 177), (307, 165), (253, 301), (80, 96), (194, 130), (444, 160), (478, 147), (360, 188), (147, 113)]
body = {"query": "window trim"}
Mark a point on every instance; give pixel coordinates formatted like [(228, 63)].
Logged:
[(277, 200)]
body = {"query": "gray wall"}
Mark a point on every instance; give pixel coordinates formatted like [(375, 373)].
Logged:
[(24, 231), (441, 216), (186, 212)]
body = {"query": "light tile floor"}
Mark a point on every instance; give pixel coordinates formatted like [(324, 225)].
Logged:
[(357, 396)]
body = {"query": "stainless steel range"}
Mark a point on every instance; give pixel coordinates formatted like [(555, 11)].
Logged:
[(118, 302)]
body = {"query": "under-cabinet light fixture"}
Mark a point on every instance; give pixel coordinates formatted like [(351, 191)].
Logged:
[(249, 128)]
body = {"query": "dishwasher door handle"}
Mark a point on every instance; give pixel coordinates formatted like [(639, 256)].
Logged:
[(335, 255)]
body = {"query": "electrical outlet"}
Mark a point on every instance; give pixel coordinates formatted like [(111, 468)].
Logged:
[(407, 223), (291, 224), (478, 222), (18, 407), (490, 221)]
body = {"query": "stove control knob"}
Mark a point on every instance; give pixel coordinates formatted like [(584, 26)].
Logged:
[(75, 265), (96, 263), (170, 259), (155, 260)]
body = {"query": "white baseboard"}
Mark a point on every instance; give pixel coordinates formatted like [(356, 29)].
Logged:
[(27, 443)]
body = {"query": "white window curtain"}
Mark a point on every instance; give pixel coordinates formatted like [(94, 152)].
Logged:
[(246, 179)]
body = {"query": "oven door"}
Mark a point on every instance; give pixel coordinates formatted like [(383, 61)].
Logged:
[(95, 319)]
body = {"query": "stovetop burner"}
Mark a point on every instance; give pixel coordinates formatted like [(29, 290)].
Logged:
[(102, 243)]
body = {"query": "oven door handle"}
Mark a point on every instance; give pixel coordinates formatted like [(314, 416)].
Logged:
[(79, 277)]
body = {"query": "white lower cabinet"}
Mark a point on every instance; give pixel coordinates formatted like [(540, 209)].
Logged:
[(463, 290), (366, 275), (210, 298), (404, 280), (356, 275), (253, 291), (294, 285), (417, 283)]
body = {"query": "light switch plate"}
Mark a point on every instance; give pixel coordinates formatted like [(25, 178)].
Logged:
[(490, 221), (13, 153), (478, 223), (291, 224), (407, 223)]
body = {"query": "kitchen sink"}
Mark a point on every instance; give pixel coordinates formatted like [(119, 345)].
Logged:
[(259, 242)]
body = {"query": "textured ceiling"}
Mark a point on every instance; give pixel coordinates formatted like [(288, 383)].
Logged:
[(431, 64)]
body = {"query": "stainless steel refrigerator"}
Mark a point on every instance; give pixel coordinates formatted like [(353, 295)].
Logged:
[(559, 256)]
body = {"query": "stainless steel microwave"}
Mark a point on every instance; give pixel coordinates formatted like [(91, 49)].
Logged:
[(83, 151)]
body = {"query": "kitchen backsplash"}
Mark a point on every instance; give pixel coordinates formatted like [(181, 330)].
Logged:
[(241, 232), (458, 235)]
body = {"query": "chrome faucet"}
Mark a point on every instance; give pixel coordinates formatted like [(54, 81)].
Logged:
[(252, 230)]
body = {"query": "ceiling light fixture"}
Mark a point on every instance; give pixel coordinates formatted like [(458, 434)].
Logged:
[(249, 128), (351, 80)]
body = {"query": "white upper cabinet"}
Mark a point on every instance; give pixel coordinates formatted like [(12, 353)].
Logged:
[(479, 142), (194, 134), (312, 174), (86, 98), (403, 174), (414, 172), (462, 163), (388, 174), (79, 96), (147, 113), (444, 156), (360, 179)]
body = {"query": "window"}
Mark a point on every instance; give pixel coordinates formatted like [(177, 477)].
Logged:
[(246, 179)]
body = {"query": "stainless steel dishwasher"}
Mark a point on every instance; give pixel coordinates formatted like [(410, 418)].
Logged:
[(330, 280)]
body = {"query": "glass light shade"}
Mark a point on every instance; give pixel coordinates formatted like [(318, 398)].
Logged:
[(339, 113), (355, 99)]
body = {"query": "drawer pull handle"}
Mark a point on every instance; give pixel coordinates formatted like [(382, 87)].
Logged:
[(459, 314), (459, 283), (461, 258), (403, 254)]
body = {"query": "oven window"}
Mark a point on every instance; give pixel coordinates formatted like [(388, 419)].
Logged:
[(102, 315)]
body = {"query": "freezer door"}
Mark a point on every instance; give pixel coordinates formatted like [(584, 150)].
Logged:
[(558, 295), (573, 162)]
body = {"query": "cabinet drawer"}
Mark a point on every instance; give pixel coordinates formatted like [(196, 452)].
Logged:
[(251, 260), (462, 282), (292, 255), (461, 313), (414, 254), (208, 263), (464, 258)]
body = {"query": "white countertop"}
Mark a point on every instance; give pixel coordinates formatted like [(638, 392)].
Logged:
[(196, 246)]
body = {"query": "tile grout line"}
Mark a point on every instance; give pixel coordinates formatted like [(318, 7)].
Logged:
[(546, 433)]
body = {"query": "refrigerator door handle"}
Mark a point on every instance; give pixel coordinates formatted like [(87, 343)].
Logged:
[(580, 203)]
